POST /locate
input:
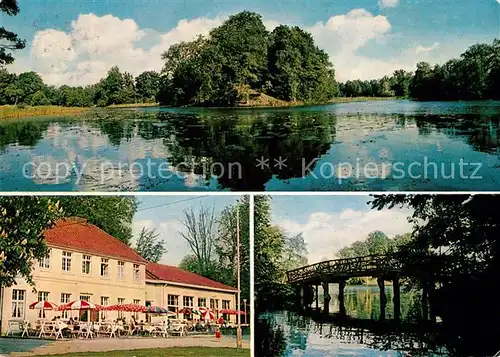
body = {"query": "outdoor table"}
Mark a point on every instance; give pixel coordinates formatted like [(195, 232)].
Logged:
[(21, 326)]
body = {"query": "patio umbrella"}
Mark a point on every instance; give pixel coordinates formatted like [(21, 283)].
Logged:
[(43, 305), (156, 310), (207, 314), (77, 305), (185, 311), (231, 312), (127, 308)]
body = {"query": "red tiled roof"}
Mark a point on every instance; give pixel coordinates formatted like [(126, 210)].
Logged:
[(177, 275), (76, 234)]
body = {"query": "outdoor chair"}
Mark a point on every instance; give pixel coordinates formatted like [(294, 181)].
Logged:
[(85, 330)]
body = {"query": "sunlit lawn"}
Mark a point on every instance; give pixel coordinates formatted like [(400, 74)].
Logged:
[(167, 352)]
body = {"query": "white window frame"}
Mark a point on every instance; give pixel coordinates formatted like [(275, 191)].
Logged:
[(86, 259), (137, 272), (66, 261), (18, 304), (105, 262), (44, 263), (121, 270), (65, 298)]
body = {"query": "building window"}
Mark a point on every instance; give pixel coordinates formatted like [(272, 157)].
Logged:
[(202, 302), (42, 296), (226, 304), (66, 261), (86, 259), (65, 298), (173, 304), (18, 303), (85, 297), (214, 304), (121, 270), (84, 314), (188, 303), (137, 302), (121, 301), (104, 302), (45, 261), (137, 272), (104, 267)]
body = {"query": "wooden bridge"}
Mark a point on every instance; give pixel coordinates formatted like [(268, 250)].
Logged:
[(383, 267), (342, 269)]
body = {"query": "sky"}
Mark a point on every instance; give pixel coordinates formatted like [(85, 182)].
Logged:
[(76, 42), (329, 223), (167, 219)]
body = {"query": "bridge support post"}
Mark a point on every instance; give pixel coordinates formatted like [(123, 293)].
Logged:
[(342, 284), (383, 298), (326, 298), (317, 297), (425, 310), (397, 298)]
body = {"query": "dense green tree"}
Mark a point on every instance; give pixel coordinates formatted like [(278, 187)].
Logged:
[(9, 41), (6, 79), (149, 246), (147, 85), (22, 223), (28, 83), (39, 98), (113, 214), (401, 80)]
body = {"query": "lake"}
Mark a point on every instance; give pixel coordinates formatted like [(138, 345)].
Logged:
[(370, 146), (286, 333)]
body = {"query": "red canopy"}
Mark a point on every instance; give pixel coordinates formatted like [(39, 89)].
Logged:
[(43, 305), (127, 308), (231, 312), (79, 305)]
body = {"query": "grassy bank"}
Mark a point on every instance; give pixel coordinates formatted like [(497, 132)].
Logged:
[(12, 111), (360, 99), (167, 352)]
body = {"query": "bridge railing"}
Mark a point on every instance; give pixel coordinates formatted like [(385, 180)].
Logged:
[(346, 267)]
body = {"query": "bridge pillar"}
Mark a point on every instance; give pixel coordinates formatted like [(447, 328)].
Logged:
[(383, 298), (298, 295), (326, 298), (342, 284), (397, 298), (425, 310), (317, 297)]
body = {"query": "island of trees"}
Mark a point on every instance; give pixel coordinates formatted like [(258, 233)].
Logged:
[(241, 63)]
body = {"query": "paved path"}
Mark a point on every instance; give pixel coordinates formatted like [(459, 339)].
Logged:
[(117, 344)]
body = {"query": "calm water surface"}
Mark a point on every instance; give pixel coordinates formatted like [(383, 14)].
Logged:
[(293, 334), (390, 145)]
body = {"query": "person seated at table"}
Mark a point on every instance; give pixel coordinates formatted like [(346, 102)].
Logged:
[(71, 321), (133, 323)]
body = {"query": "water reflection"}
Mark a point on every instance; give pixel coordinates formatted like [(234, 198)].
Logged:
[(296, 149), (310, 333)]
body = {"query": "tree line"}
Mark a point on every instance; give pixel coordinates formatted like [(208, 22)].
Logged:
[(116, 88), (241, 58), (377, 243), (473, 76)]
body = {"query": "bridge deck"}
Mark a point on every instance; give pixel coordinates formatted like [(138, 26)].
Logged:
[(342, 269)]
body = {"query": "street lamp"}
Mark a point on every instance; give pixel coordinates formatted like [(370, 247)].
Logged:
[(239, 342), (245, 304)]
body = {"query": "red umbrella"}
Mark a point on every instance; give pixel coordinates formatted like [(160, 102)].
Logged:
[(231, 312), (78, 305), (127, 308), (43, 305), (185, 311), (206, 313)]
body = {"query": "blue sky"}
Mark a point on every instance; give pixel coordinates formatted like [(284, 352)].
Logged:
[(167, 219), (329, 223), (77, 41)]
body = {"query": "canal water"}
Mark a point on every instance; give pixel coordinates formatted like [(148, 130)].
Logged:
[(382, 145), (299, 334)]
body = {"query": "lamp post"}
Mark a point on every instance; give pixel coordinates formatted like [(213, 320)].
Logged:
[(239, 343), (245, 304)]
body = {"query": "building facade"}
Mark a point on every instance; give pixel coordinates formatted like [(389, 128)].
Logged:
[(86, 263)]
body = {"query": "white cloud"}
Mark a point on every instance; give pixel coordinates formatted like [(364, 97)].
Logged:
[(326, 233), (94, 44), (388, 3), (431, 48)]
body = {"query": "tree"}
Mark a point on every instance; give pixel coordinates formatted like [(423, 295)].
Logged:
[(147, 85), (226, 248), (39, 98), (22, 223), (149, 247), (401, 80), (113, 214), (9, 41), (28, 83), (377, 243), (200, 234), (294, 254), (6, 79)]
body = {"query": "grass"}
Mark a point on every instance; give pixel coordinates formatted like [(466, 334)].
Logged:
[(13, 111), (167, 352), (359, 99)]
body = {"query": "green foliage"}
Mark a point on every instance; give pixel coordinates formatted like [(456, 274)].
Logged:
[(113, 214), (149, 247), (9, 41), (241, 54), (22, 223), (147, 84), (39, 98)]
